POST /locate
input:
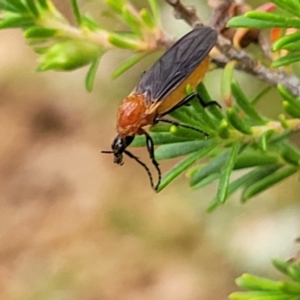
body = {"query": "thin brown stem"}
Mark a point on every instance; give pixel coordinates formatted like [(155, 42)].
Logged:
[(187, 13), (245, 61)]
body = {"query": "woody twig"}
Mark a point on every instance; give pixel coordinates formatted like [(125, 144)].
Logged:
[(245, 61)]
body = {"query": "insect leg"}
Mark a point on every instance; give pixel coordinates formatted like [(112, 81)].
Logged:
[(187, 99), (184, 101), (158, 119), (150, 147), (205, 104), (143, 165)]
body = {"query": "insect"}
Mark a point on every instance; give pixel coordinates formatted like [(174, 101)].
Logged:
[(160, 91)]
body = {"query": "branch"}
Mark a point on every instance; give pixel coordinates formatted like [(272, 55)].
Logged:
[(249, 65), (245, 62), (187, 13)]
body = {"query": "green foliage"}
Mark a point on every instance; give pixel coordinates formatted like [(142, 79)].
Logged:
[(259, 288), (290, 42), (242, 140), (239, 136), (63, 47)]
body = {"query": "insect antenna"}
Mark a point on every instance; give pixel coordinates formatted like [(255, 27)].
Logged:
[(145, 167)]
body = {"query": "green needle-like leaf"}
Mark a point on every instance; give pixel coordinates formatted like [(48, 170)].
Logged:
[(294, 273), (280, 137), (289, 288), (291, 6), (291, 109), (192, 134), (287, 96), (250, 158), (223, 130), (227, 77), (206, 181), (133, 21), (39, 32), (202, 115), (155, 10), (43, 4), (188, 115), (226, 172), (262, 172), (159, 138), (281, 266), (31, 4), (263, 20), (292, 47), (290, 38), (76, 11), (237, 122), (88, 22), (236, 184), (185, 114), (91, 74), (121, 41), (267, 182), (213, 109), (13, 6), (244, 103), (160, 128), (290, 153), (69, 54), (263, 141), (16, 22), (147, 18), (180, 149), (283, 22), (213, 166), (260, 296), (116, 5), (183, 165), (251, 282), (127, 64), (286, 60)]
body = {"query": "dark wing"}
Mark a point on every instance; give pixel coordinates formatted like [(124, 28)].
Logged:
[(177, 63)]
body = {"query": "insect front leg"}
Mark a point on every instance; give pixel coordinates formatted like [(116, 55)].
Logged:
[(143, 165), (150, 147)]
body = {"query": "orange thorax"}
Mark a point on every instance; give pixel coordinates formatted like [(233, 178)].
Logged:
[(133, 115)]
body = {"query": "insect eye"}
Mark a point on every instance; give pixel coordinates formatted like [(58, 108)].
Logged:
[(118, 145)]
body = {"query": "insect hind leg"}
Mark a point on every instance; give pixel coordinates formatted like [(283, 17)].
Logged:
[(186, 101), (158, 119), (206, 104)]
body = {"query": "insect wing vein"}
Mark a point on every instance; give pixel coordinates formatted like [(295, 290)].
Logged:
[(177, 63)]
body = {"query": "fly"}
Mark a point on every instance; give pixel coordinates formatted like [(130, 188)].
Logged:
[(160, 91)]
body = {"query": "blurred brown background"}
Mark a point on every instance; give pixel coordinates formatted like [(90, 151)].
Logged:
[(75, 226)]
